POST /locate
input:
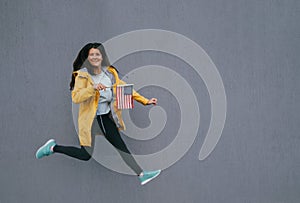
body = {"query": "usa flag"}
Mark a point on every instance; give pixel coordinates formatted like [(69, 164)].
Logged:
[(124, 96)]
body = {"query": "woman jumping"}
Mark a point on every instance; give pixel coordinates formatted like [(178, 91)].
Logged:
[(93, 87)]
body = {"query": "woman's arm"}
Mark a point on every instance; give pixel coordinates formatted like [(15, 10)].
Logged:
[(143, 100), (81, 92), (139, 98)]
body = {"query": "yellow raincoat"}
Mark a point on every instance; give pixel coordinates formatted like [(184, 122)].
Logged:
[(87, 97)]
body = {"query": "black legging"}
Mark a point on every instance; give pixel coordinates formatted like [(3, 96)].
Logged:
[(78, 153), (111, 133)]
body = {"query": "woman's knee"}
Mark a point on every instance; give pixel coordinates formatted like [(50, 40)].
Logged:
[(85, 154), (86, 157)]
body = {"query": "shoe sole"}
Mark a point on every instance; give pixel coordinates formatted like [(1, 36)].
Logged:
[(148, 180), (51, 140)]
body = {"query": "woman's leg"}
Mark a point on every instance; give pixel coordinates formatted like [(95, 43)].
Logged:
[(82, 153), (78, 153), (112, 134)]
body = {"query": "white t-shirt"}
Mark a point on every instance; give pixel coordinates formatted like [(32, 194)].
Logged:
[(105, 95)]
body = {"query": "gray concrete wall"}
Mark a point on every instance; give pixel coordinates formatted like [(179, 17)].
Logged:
[(255, 46)]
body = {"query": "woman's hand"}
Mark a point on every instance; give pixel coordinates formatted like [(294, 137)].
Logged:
[(99, 87), (152, 101)]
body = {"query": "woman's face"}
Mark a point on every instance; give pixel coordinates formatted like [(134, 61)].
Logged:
[(95, 57)]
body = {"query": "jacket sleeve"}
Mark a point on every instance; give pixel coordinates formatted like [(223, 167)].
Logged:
[(136, 96), (139, 98), (81, 92)]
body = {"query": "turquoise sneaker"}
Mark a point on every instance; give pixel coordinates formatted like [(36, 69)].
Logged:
[(45, 149), (148, 176)]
